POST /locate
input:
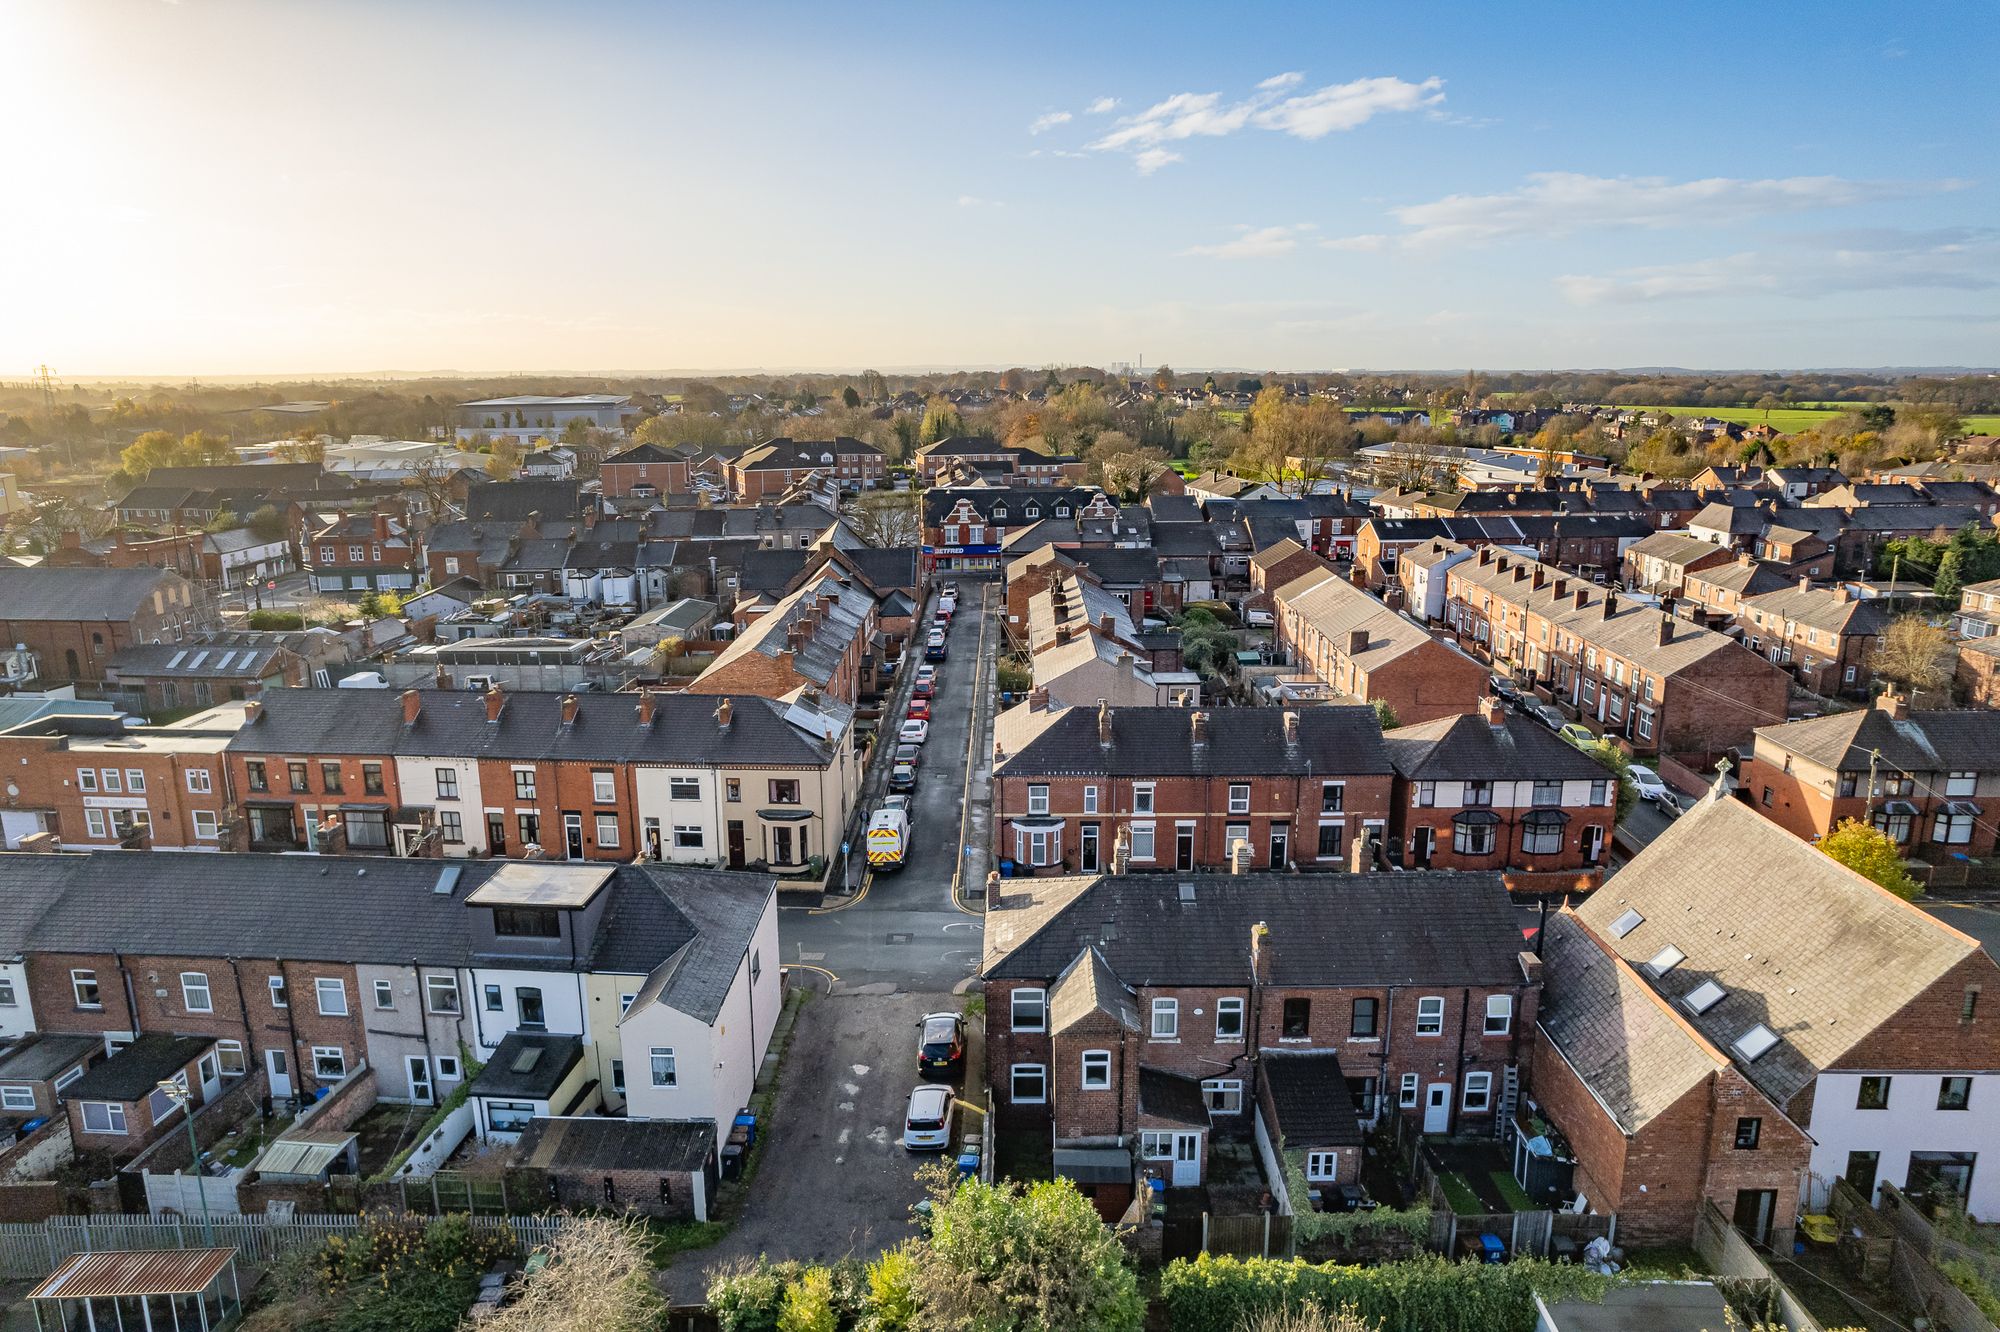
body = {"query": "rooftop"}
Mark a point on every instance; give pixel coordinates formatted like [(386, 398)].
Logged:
[(542, 884), (530, 1065)]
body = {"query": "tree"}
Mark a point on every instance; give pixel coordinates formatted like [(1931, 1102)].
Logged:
[(808, 1303), (1419, 463), (431, 479), (1767, 404), (1914, 654), (267, 524), (941, 421), (1163, 379), (666, 652), (1003, 1258), (385, 604), (1620, 765), (1950, 577), (849, 397), (504, 463), (1132, 472), (1869, 852), (886, 518), (873, 387), (599, 1276)]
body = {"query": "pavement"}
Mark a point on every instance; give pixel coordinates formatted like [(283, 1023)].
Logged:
[(833, 1179), (906, 929)]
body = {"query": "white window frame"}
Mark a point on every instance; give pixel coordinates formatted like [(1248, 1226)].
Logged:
[(610, 822), (1322, 1167), (93, 820), (226, 1048), (17, 1098), (1150, 851), (199, 782), (1142, 797), (86, 780), (1430, 1015), (1156, 1145), (193, 982), (1170, 1010), (1095, 1071), (281, 991), (78, 978), (324, 1056), (338, 991), (135, 781), (1500, 1007), (1014, 1076), (1406, 1092), (1038, 800), (663, 1066), (1090, 799), (1239, 797), (604, 788), (676, 785), (207, 828), (1222, 1096), (1478, 1084), (1040, 1021), (385, 995), (112, 1113), (437, 986), (1229, 1004)]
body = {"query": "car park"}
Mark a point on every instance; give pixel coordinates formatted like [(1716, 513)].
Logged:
[(940, 1044), (927, 1122), (914, 731)]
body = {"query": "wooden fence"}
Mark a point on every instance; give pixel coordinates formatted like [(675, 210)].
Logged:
[(29, 1252), (1261, 1235), (1913, 1269)]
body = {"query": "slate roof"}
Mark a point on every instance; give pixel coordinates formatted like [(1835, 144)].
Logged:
[(773, 569), (1918, 742), (70, 595), (1336, 608), (686, 930), (1088, 986), (1676, 548), (1310, 1094), (1335, 740), (941, 500), (596, 1143), (1174, 509), (134, 1072), (529, 1065), (889, 566), (1469, 748), (1744, 577), (238, 654), (1169, 1096), (517, 499), (1435, 927), (1825, 608), (301, 476), (452, 724), (649, 453), (846, 608), (782, 454), (1800, 943), (40, 1058)]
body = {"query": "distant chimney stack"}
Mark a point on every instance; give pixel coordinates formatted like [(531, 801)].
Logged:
[(1805, 582), (1260, 953), (1666, 629), (1239, 856), (1121, 852), (1494, 712), (1361, 856), (1541, 576), (495, 702), (1103, 722), (1105, 624), (1892, 704), (1038, 699), (724, 711), (645, 707), (443, 677), (413, 703), (1291, 728), (1560, 587), (569, 709), (1582, 598), (1198, 720), (252, 711), (381, 527), (1357, 642), (1610, 604)]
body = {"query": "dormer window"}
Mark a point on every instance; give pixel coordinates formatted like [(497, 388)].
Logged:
[(526, 923), (999, 511)]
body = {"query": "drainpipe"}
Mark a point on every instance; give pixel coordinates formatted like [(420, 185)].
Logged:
[(1458, 1063), (243, 1007), (292, 1035), (131, 993)]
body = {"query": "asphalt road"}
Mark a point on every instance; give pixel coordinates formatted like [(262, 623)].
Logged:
[(903, 931)]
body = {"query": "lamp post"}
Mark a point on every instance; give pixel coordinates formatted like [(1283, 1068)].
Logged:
[(179, 1094)]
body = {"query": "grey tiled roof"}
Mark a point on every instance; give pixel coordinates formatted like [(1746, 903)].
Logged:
[(1169, 1096), (1468, 748), (133, 1073), (518, 499), (528, 1064), (1335, 740), (701, 921), (1434, 927), (1088, 986), (77, 594), (1310, 1094), (1918, 742), (597, 1144)]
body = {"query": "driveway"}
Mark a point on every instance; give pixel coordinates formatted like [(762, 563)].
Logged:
[(834, 1178)]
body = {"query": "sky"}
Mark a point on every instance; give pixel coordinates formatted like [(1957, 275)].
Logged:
[(314, 186)]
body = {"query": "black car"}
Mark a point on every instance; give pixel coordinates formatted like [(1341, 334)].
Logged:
[(941, 1046)]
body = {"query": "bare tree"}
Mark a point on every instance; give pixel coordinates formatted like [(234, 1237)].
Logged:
[(885, 518), (1132, 472), (1418, 463), (599, 1275), (431, 480), (1914, 654)]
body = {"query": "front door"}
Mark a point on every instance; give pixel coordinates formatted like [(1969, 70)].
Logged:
[(1753, 1212), (496, 833), (1086, 855), (1593, 844), (420, 1078), (1437, 1108), (736, 844), (1281, 846), (280, 1069), (1423, 845), (1184, 849), (1187, 1160), (573, 836)]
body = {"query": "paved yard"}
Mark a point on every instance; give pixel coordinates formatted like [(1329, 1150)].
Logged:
[(834, 1178)]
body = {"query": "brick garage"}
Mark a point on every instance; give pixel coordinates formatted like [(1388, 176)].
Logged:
[(664, 1168)]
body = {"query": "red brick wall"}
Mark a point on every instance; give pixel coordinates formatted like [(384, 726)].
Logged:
[(670, 478), (46, 772), (1928, 1033)]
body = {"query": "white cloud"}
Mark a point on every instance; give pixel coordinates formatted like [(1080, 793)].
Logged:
[(1044, 123), (1360, 244), (1959, 259), (1311, 115), (1152, 159), (1101, 106), (1555, 203), (1254, 243)]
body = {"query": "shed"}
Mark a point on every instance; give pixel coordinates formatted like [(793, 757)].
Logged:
[(310, 1154), (153, 1289)]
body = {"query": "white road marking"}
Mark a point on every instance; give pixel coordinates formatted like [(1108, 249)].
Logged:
[(845, 1106), (843, 1136), (860, 1070), (851, 1088), (879, 1136)]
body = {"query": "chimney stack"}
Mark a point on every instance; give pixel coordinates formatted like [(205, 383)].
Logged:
[(1582, 597), (252, 711), (1121, 852), (1103, 722), (1038, 699), (1486, 555), (495, 701), (1892, 704), (413, 703), (1361, 856), (723, 712), (569, 709), (1666, 629), (1260, 953), (1105, 623), (381, 527), (443, 677), (1805, 582), (1610, 604), (1291, 728), (1560, 587), (645, 707), (1199, 721), (1493, 711), (1239, 856), (1541, 576), (1357, 642)]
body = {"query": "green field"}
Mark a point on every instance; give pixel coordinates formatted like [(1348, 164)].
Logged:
[(1791, 420)]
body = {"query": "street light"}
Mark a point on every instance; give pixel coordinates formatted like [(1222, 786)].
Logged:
[(177, 1092)]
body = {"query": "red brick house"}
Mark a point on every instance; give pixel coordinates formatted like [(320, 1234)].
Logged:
[(1823, 635), (647, 471), (92, 782), (360, 552), (1359, 647), (775, 466), (1132, 1017), (1495, 791), (1166, 788), (75, 620), (118, 1108), (818, 637)]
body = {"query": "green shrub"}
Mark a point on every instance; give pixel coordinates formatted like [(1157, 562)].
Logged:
[(276, 619), (1213, 1294), (747, 1298), (892, 1292)]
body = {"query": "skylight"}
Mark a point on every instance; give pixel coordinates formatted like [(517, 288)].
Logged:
[(1666, 960), (176, 659), (1626, 923), (1704, 996), (1754, 1042)]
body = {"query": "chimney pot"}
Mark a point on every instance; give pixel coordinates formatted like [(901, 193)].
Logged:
[(413, 703), (252, 711), (495, 701), (1495, 714)]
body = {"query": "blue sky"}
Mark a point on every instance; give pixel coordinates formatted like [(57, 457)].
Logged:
[(275, 187)]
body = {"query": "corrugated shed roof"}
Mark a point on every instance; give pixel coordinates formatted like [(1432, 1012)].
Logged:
[(107, 1273)]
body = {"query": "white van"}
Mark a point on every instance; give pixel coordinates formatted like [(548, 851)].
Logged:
[(927, 1125)]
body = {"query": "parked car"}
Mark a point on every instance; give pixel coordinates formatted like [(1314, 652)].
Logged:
[(903, 776), (914, 731), (902, 802), (927, 1123), (1546, 715), (927, 674), (934, 648), (923, 689), (1653, 788), (940, 1044), (1506, 688), (920, 708), (1577, 734), (950, 590)]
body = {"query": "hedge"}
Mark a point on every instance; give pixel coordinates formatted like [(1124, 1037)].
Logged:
[(1211, 1294)]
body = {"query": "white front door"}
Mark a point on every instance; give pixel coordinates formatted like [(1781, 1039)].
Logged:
[(280, 1068), (420, 1078), (1187, 1160), (1437, 1107)]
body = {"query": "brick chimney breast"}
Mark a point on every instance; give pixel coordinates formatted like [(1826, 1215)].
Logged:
[(569, 709), (1103, 723), (724, 711), (495, 702), (413, 704)]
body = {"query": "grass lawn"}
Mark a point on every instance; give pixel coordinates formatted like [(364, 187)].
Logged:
[(1516, 1196), (663, 1240), (1459, 1194), (1669, 1261), (1792, 420)]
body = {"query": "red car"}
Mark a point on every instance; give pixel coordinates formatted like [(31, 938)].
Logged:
[(920, 709), (924, 689)]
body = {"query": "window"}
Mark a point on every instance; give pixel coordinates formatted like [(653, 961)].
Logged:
[(625, 1003), (447, 783), (295, 777), (1096, 1070), (1954, 1093), (1222, 1096), (1239, 798), (617, 1076), (103, 1117), (1952, 824), (441, 993), (1478, 793), (1406, 1091), (1156, 1146), (255, 775), (1548, 793), (494, 1002), (329, 1063), (86, 779), (1038, 800), (1142, 799), (1704, 996), (664, 1073), (1142, 841), (527, 923), (1090, 799), (1229, 1019), (207, 1069), (784, 792), (113, 782), (1430, 1015), (7, 999), (1166, 1019), (1860, 1172), (601, 789), (1666, 960), (1362, 1022), (1297, 1020), (1499, 1014), (1849, 782), (1478, 1092), (1748, 1130), (681, 788), (1627, 922), (371, 778), (229, 1059), (195, 996), (1329, 841), (524, 783), (1542, 836), (1029, 1084), (279, 997), (509, 1116), (688, 836), (83, 985), (1470, 837), (1322, 1167), (1332, 797), (385, 994), (206, 827), (332, 994), (451, 827), (528, 1008), (198, 781), (1600, 792), (530, 824), (1961, 783), (1874, 1094), (1030, 1010), (1969, 1006), (63, 1081), (17, 1098)]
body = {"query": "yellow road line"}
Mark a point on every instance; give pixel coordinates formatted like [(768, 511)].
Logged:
[(832, 979), (867, 882)]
